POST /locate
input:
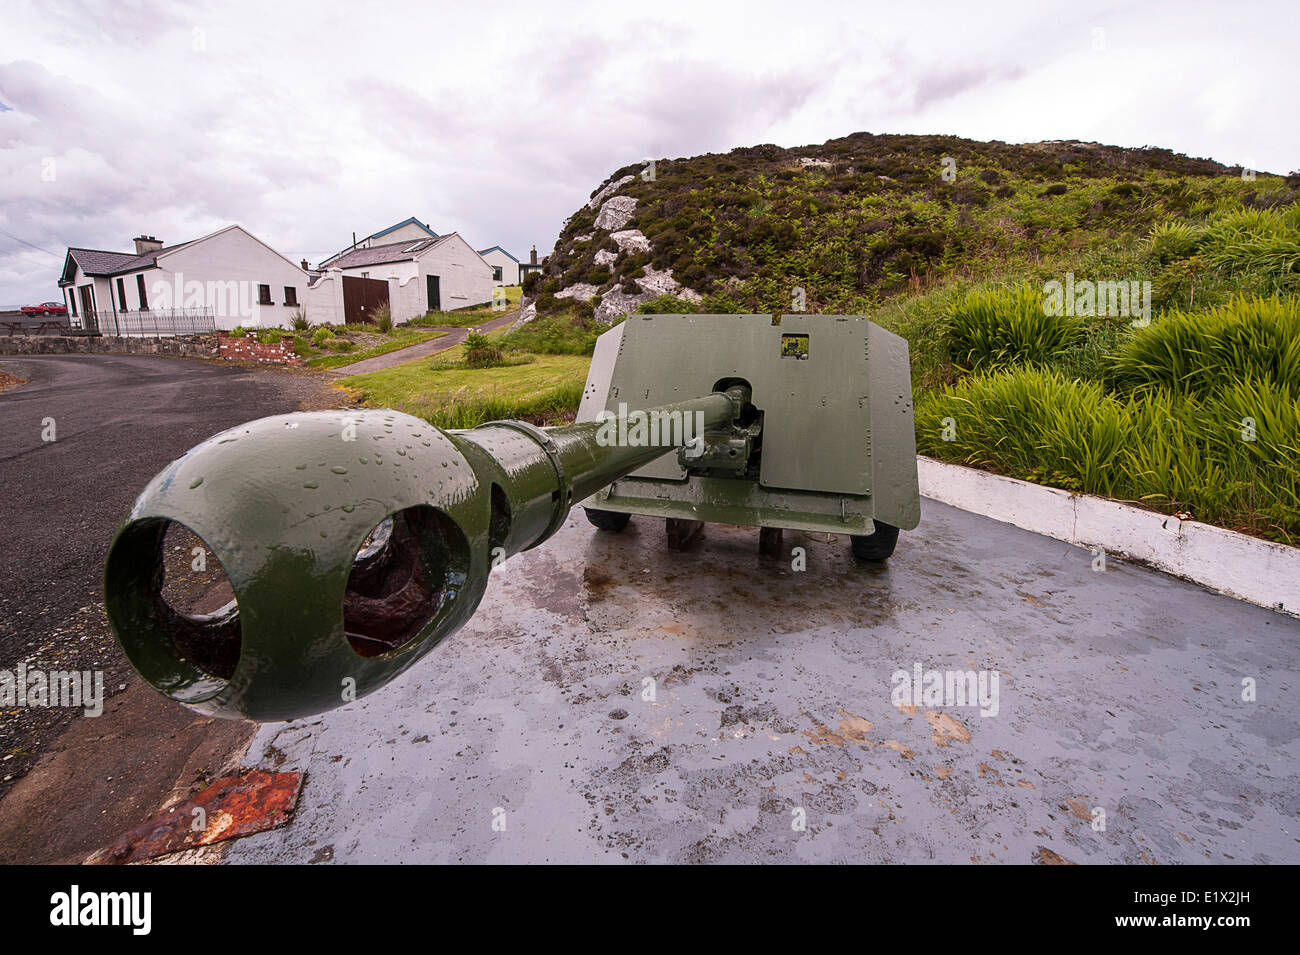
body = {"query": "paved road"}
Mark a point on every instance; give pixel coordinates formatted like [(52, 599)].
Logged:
[(452, 338), (117, 421), (1118, 691), (72, 784)]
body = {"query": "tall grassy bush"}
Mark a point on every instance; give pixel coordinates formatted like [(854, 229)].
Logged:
[(996, 328), (1200, 353), (1231, 457)]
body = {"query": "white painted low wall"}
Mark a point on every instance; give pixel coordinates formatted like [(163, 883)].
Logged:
[(1248, 568)]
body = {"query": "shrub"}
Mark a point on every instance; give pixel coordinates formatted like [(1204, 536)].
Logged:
[(239, 331), (301, 346), (992, 329), (340, 345), (1199, 353), (481, 351), (270, 336), (298, 321), (531, 281), (320, 335), (383, 319)]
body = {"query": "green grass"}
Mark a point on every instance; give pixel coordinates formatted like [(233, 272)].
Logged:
[(399, 338), (546, 390)]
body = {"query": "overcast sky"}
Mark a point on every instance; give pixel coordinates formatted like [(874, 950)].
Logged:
[(304, 122)]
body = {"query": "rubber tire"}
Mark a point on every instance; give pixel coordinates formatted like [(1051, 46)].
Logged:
[(878, 546), (611, 521)]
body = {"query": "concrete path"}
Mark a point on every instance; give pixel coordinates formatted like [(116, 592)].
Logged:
[(401, 356), (614, 701)]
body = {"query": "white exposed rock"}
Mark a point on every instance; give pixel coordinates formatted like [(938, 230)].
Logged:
[(616, 213), (809, 161), (616, 303), (582, 291), (631, 240), (605, 257), (663, 283), (608, 191), (526, 314), (583, 238)]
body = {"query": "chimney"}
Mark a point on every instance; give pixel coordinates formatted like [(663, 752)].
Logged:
[(306, 267), (532, 256), (146, 243)]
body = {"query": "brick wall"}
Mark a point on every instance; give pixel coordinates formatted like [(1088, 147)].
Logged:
[(250, 349)]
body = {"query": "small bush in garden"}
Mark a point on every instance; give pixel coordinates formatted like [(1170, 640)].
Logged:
[(301, 346), (340, 344), (239, 331), (270, 336), (383, 319), (298, 321), (321, 335), (481, 351)]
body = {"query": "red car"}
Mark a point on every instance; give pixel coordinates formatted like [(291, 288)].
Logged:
[(45, 308)]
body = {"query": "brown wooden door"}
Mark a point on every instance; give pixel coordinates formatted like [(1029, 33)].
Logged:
[(91, 320), (361, 297)]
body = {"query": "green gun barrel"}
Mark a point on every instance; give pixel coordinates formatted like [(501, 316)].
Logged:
[(354, 543)]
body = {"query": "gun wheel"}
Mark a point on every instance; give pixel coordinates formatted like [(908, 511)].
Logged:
[(878, 546), (611, 521)]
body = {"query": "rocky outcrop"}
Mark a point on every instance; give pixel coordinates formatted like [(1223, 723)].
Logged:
[(582, 291), (631, 240), (616, 303), (608, 191), (616, 213)]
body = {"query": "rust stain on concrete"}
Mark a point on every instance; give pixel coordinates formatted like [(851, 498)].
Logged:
[(946, 728)]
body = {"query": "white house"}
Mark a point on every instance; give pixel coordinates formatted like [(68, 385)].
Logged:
[(222, 280), (408, 230), (505, 267), (412, 276)]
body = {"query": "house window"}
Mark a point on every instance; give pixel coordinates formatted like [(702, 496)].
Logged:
[(496, 273), (264, 295), (139, 287), (72, 302), (290, 295), (121, 295)]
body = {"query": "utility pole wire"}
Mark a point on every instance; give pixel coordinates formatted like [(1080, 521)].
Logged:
[(29, 245)]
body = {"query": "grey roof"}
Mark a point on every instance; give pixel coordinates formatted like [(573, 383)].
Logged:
[(99, 262), (390, 252), (95, 262)]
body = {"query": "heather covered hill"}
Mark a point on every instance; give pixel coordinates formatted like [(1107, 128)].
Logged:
[(859, 220)]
